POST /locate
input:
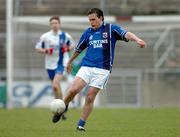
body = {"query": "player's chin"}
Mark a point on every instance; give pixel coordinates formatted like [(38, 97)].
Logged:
[(93, 26), (55, 29)]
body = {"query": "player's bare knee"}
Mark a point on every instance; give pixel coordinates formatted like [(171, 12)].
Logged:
[(55, 87)]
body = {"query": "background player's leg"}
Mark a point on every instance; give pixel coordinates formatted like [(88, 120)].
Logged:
[(56, 86), (58, 94)]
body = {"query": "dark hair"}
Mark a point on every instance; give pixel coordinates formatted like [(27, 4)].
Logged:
[(54, 18), (97, 11)]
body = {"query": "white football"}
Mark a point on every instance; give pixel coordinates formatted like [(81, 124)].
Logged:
[(57, 106)]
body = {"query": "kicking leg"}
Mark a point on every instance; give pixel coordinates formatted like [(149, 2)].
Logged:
[(75, 88)]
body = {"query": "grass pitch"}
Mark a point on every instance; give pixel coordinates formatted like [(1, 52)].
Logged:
[(155, 122)]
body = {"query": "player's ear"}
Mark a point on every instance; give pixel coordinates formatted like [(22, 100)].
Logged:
[(101, 18)]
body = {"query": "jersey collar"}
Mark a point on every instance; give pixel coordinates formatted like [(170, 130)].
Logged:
[(59, 32)]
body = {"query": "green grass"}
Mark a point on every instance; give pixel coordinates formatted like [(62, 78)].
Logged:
[(155, 122)]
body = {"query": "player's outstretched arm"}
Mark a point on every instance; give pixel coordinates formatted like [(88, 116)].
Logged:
[(131, 36), (41, 50), (69, 64), (45, 51)]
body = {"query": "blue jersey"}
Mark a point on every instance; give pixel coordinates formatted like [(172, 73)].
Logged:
[(100, 45)]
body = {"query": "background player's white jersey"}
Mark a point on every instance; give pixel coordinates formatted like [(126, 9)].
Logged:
[(52, 40)]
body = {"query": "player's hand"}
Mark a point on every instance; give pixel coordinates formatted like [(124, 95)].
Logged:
[(142, 44), (49, 51), (68, 67), (64, 49)]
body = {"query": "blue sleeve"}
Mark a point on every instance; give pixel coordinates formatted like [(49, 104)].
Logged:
[(82, 43), (119, 33)]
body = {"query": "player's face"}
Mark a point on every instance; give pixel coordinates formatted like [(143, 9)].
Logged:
[(55, 25), (95, 21)]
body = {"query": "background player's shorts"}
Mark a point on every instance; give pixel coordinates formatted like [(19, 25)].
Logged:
[(94, 77), (52, 72)]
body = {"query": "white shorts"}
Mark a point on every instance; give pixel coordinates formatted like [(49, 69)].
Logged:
[(94, 77)]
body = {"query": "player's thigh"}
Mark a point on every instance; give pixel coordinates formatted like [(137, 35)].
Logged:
[(58, 74), (77, 84), (57, 78)]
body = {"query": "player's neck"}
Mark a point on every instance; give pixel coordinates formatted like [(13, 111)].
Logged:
[(99, 25), (55, 32)]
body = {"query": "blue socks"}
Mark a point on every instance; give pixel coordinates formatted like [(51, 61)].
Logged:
[(81, 123)]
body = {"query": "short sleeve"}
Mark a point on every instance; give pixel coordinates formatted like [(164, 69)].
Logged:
[(69, 40), (119, 33), (40, 43)]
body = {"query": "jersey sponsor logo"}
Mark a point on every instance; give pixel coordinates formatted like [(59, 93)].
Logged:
[(98, 43)]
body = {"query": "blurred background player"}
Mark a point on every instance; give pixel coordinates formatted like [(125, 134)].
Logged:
[(99, 40), (54, 44)]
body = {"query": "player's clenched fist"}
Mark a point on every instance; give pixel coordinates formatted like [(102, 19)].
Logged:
[(64, 49), (49, 51), (69, 67), (142, 44)]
